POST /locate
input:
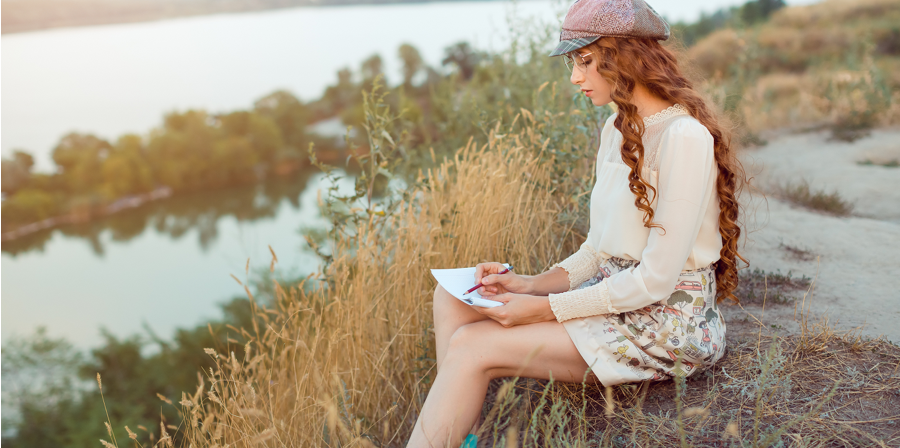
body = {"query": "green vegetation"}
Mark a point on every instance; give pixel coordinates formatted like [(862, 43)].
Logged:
[(191, 151), (345, 356), (892, 163), (750, 13), (758, 287)]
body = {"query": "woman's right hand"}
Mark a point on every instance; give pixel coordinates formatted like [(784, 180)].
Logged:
[(488, 275)]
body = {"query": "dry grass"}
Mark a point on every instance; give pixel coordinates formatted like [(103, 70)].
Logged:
[(820, 388), (802, 194), (827, 65), (345, 359)]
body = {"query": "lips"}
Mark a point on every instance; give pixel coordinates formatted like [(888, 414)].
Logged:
[(587, 92)]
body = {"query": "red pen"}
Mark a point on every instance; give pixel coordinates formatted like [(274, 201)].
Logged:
[(479, 285)]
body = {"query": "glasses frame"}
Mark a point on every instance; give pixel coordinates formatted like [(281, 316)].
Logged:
[(571, 61)]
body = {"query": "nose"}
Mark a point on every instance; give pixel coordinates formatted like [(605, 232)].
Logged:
[(577, 76)]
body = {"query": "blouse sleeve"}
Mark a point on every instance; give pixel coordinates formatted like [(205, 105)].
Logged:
[(585, 263), (687, 176)]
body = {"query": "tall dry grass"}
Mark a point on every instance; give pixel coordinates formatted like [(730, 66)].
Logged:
[(346, 359)]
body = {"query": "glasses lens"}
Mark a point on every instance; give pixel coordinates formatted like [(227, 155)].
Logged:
[(576, 60)]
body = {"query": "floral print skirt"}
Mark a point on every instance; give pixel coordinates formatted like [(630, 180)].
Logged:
[(644, 344)]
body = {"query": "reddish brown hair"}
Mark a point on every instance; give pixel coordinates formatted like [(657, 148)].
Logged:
[(628, 62)]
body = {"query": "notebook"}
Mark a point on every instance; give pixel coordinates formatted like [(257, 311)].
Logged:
[(458, 281)]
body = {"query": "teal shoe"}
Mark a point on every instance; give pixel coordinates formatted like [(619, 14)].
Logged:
[(470, 442)]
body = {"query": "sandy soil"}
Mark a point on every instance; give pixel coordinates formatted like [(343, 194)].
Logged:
[(855, 260)]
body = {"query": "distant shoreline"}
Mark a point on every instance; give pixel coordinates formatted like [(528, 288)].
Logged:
[(21, 16)]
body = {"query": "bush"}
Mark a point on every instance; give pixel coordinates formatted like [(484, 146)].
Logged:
[(30, 205)]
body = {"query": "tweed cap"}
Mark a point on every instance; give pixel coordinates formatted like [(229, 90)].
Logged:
[(589, 20)]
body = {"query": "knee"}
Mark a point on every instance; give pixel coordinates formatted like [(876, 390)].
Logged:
[(465, 343)]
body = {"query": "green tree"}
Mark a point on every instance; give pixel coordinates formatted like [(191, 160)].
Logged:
[(759, 10), (126, 170), (463, 57), (371, 67), (79, 158), (289, 114), (180, 152), (29, 205), (15, 172), (412, 62)]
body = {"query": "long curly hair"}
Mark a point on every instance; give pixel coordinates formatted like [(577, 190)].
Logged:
[(627, 62)]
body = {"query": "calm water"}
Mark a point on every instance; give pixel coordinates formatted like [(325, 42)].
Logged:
[(167, 264)]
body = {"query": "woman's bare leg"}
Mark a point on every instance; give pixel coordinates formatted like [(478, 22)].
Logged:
[(449, 314), (483, 350)]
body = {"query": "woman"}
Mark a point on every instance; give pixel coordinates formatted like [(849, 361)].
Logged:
[(641, 293)]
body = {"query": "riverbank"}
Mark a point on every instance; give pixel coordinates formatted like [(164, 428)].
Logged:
[(86, 214)]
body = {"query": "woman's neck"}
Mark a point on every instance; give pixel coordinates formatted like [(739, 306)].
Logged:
[(648, 104)]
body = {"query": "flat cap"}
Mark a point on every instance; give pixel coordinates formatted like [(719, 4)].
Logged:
[(589, 20)]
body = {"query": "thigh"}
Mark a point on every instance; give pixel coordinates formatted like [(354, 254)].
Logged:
[(449, 310), (530, 351)]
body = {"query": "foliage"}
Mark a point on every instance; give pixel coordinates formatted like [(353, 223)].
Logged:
[(345, 356), (802, 194), (749, 13), (48, 383)]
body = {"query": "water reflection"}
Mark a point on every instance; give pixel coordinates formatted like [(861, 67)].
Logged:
[(176, 216)]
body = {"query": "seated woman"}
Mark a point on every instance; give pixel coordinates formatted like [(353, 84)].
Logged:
[(642, 291)]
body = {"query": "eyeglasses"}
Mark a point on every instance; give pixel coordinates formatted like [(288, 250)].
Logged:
[(578, 60)]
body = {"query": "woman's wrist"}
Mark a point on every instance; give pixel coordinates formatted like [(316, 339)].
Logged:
[(554, 281)]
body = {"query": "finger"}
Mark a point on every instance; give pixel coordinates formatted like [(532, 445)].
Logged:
[(501, 298), (482, 310), (479, 271)]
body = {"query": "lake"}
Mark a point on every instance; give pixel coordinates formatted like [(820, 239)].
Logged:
[(167, 263)]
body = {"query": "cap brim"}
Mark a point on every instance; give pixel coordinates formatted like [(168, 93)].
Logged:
[(573, 44)]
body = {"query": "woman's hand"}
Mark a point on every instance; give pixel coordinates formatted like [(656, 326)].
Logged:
[(488, 274), (518, 309)]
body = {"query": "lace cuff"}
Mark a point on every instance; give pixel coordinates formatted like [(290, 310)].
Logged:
[(581, 266), (584, 302)]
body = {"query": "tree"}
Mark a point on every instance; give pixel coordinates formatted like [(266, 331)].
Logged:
[(126, 170), (15, 172), (759, 10), (79, 158), (288, 113), (463, 57), (181, 150), (371, 67), (412, 62)]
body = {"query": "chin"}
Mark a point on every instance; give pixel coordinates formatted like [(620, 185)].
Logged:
[(601, 102)]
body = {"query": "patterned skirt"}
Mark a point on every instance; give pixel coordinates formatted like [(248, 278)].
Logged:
[(644, 344)]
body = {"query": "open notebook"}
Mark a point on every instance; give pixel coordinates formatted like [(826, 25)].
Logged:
[(458, 281)]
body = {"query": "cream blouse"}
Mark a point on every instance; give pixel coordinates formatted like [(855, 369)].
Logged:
[(679, 163)]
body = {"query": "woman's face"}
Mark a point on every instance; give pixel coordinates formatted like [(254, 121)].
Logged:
[(592, 84)]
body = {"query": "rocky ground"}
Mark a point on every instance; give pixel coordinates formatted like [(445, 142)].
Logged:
[(852, 262)]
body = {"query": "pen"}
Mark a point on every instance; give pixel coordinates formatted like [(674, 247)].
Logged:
[(479, 285)]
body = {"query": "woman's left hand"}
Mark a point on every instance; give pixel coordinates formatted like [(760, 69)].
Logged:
[(518, 309)]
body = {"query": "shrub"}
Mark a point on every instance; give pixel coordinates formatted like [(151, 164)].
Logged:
[(802, 194)]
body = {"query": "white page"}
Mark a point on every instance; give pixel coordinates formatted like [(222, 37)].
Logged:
[(458, 281)]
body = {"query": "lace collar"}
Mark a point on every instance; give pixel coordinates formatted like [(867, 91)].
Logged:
[(671, 111)]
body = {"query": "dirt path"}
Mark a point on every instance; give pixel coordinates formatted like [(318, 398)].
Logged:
[(855, 260)]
